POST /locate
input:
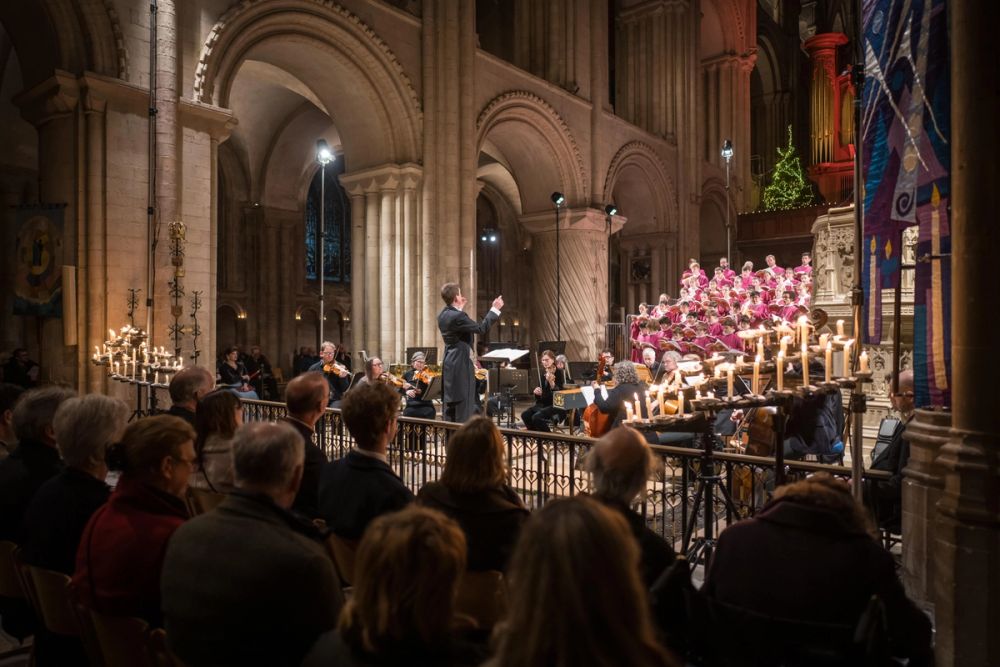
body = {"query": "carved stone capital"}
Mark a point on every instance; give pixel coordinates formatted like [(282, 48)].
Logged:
[(215, 121), (53, 98), (571, 221)]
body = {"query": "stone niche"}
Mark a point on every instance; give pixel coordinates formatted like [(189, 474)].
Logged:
[(833, 275)]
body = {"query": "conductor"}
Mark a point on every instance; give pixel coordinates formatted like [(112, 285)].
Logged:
[(458, 370)]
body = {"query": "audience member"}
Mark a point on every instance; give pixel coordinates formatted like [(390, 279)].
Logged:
[(808, 555), (36, 459), (220, 413), (121, 551), (576, 597), (402, 609), (891, 454), (20, 369), (186, 389), (473, 490), (233, 374), (261, 374), (84, 428), (306, 398), (361, 486), (250, 583), (9, 393), (621, 463)]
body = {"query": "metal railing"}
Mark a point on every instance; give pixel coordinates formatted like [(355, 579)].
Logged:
[(548, 465)]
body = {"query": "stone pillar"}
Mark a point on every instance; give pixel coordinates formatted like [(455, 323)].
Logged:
[(167, 162), (388, 293), (922, 484), (552, 41), (648, 64), (92, 274), (583, 248), (372, 288), (967, 553), (359, 330)]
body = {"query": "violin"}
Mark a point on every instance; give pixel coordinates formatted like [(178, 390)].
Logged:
[(482, 373), (335, 368), (389, 378), (426, 375)]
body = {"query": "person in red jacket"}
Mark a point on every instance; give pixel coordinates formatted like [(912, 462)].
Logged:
[(121, 552)]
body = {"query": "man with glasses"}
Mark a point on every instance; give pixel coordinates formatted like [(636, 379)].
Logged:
[(891, 454)]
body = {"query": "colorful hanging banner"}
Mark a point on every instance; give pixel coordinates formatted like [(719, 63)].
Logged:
[(906, 164), (38, 260)]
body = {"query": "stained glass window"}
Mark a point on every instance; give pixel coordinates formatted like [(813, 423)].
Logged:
[(337, 249)]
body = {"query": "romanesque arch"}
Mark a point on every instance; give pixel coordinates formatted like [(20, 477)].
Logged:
[(638, 167)]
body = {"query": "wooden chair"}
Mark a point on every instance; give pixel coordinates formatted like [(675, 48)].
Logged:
[(13, 586), (343, 552), (159, 654), (123, 640), (482, 596), (53, 602), (202, 500)]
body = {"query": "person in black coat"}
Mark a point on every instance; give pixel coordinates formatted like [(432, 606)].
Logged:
[(627, 387), (458, 371), (35, 461), (540, 415), (416, 405), (20, 369), (361, 486), (250, 582), (473, 490), (808, 555), (891, 454), (621, 463), (9, 393), (306, 397)]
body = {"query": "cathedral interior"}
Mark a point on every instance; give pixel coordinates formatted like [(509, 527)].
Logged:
[(175, 151)]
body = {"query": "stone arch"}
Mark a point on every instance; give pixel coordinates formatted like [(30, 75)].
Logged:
[(639, 160), (724, 28), (320, 42), (515, 122)]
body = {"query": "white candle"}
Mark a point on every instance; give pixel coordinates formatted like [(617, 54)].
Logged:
[(784, 344), (805, 363), (847, 359), (780, 367), (143, 374), (760, 346), (840, 327), (829, 361), (823, 341), (680, 402), (113, 336), (756, 375), (864, 362), (638, 407), (729, 381), (180, 362), (157, 377), (628, 411), (803, 328)]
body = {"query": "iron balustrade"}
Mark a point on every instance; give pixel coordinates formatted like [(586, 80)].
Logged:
[(549, 465)]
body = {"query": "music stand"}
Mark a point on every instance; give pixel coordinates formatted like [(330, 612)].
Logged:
[(433, 390), (354, 381), (506, 402)]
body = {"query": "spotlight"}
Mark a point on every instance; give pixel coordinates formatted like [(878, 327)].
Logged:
[(610, 209), (558, 199), (323, 153), (727, 150), (483, 238), (493, 238)]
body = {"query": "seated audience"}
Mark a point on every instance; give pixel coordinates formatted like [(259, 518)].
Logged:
[(473, 490), (21, 370), (808, 555), (220, 413), (261, 374), (402, 609), (250, 583), (36, 459), (84, 428), (575, 595), (621, 463), (9, 393), (361, 486), (306, 398), (187, 386), (121, 551), (233, 374)]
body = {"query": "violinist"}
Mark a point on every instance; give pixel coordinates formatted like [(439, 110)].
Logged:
[(419, 378), (337, 376), (541, 415)]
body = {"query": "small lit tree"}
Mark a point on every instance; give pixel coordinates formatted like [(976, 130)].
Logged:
[(789, 186)]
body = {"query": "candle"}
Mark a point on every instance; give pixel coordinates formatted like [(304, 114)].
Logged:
[(680, 402), (847, 359), (823, 341), (638, 407), (803, 328), (180, 363), (143, 374), (840, 328), (805, 363), (628, 411), (864, 362), (784, 344), (729, 381), (112, 332), (756, 375), (780, 367), (829, 361), (760, 346)]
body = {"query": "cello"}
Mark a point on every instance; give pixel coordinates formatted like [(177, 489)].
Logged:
[(595, 422)]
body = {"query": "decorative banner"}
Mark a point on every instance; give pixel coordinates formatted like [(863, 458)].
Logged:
[(906, 164), (38, 260)]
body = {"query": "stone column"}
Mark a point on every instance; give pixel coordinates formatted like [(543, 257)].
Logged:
[(167, 162), (388, 293), (583, 248), (967, 553), (647, 65), (411, 313), (922, 484), (372, 276), (358, 274)]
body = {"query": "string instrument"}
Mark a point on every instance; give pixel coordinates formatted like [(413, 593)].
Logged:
[(595, 422), (756, 432), (482, 373), (336, 369), (426, 375), (389, 378)]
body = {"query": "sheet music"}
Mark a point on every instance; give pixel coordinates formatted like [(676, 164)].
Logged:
[(506, 354), (588, 393)]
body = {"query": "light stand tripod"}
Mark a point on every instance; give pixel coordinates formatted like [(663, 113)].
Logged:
[(704, 499)]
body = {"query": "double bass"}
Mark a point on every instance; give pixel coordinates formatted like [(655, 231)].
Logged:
[(595, 422)]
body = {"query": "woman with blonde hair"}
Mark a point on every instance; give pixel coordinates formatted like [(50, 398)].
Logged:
[(576, 598), (473, 491), (402, 610)]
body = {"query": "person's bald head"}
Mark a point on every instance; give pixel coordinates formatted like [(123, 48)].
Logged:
[(902, 396), (620, 463), (187, 386), (306, 396)]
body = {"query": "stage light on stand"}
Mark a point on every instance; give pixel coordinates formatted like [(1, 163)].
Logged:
[(727, 155), (324, 156), (558, 199)]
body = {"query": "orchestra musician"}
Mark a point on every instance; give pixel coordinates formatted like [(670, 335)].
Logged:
[(609, 360), (337, 376), (539, 416), (627, 387), (457, 331), (419, 379)]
